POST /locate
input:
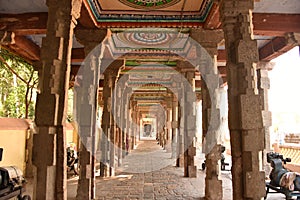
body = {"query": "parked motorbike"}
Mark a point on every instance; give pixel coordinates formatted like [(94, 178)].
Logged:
[(72, 160), (282, 180), (12, 182)]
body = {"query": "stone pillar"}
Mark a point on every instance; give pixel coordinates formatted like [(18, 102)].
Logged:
[(125, 120), (190, 170), (180, 134), (245, 117), (129, 127), (108, 122), (86, 92), (105, 125), (121, 101), (263, 87), (113, 127), (168, 125), (174, 124), (49, 148), (211, 119), (133, 123)]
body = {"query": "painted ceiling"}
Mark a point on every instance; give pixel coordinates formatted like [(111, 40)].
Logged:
[(151, 39), (150, 10)]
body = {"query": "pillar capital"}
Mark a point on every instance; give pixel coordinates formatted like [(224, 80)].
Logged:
[(231, 8), (209, 39), (88, 36)]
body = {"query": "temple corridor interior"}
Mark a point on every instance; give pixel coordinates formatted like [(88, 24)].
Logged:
[(183, 79)]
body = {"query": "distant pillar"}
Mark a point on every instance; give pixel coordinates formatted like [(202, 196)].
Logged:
[(108, 125), (190, 169), (180, 131), (174, 124), (211, 119), (86, 92), (168, 123), (121, 104)]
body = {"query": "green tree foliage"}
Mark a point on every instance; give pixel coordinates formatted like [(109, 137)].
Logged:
[(17, 85)]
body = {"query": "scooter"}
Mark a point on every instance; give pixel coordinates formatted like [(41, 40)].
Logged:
[(72, 160), (12, 182)]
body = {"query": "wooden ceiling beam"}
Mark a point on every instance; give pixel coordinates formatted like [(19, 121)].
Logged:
[(275, 24), (28, 46), (275, 48), (264, 23), (24, 24), (25, 48), (77, 55)]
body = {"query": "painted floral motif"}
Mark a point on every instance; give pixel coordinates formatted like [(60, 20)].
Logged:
[(149, 4)]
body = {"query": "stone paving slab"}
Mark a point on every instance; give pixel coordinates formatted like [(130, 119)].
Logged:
[(149, 173)]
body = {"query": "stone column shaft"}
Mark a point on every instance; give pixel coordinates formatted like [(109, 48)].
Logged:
[(86, 92), (180, 134), (190, 170), (108, 124), (121, 98), (211, 120), (51, 108), (174, 125), (245, 118)]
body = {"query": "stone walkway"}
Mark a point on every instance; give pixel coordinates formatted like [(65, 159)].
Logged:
[(149, 173)]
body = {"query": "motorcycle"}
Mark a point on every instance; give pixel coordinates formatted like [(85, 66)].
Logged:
[(72, 160)]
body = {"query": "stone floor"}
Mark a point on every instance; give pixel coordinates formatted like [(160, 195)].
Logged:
[(149, 173)]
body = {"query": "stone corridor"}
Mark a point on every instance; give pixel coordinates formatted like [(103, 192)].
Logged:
[(149, 173)]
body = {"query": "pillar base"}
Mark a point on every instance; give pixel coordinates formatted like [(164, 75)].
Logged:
[(111, 171), (192, 171), (104, 172), (213, 189), (180, 161)]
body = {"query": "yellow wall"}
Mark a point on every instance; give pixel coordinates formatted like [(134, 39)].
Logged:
[(13, 144)]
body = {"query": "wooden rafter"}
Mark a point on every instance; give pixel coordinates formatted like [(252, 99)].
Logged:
[(264, 23), (275, 24), (24, 24), (274, 48)]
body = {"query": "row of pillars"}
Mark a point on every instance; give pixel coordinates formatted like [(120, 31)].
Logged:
[(245, 118)]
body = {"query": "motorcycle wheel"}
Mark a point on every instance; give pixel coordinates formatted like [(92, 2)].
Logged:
[(26, 197)]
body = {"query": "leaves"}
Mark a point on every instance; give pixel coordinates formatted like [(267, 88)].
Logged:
[(17, 85)]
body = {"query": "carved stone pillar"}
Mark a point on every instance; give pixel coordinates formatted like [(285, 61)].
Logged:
[(133, 123), (86, 99), (105, 125), (113, 113), (125, 121), (245, 117), (129, 126), (180, 134), (168, 125), (121, 101), (174, 124), (211, 119), (190, 170), (263, 82), (49, 148), (108, 122)]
